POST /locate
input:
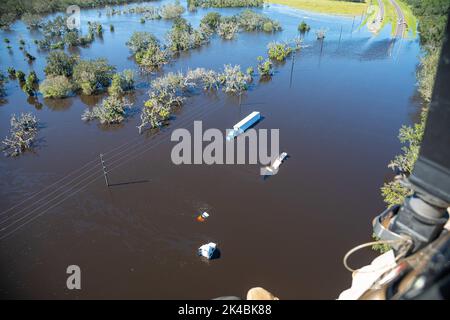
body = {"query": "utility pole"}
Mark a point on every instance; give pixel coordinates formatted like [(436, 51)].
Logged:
[(353, 24), (292, 70), (105, 173)]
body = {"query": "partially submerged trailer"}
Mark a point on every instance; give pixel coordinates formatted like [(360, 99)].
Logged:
[(243, 125)]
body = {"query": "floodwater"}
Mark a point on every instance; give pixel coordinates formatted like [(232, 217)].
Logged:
[(338, 107)]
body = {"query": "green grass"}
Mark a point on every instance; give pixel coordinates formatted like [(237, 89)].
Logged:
[(371, 14), (326, 6)]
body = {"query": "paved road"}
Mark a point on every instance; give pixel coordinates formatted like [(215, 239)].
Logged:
[(401, 23), (381, 11)]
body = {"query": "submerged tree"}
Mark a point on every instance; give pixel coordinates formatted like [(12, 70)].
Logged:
[(91, 76), (278, 51), (233, 79), (112, 110), (56, 87), (22, 134), (303, 27), (264, 67), (3, 81), (171, 10), (122, 82), (60, 64)]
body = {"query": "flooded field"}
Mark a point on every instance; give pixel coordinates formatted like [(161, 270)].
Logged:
[(338, 106)]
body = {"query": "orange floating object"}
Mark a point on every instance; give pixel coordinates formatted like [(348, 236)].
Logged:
[(202, 217)]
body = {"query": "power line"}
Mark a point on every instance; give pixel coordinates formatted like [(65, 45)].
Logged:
[(201, 113), (65, 184)]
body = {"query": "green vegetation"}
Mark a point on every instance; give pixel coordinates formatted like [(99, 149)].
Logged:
[(225, 3), (249, 20), (168, 91), (32, 20), (11, 72), (29, 87), (265, 67), (278, 51), (57, 35), (211, 20), (30, 10), (56, 87), (3, 81), (352, 8), (111, 27), (121, 82), (147, 50), (112, 110), (233, 79), (432, 16), (30, 58), (60, 64), (23, 133), (20, 75), (171, 10), (91, 76), (183, 37), (228, 28), (303, 27)]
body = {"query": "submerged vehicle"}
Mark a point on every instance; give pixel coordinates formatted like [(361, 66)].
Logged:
[(243, 125)]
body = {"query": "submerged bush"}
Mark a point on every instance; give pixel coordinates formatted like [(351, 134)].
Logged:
[(183, 37), (112, 110), (278, 51), (211, 19), (320, 34), (225, 3), (228, 28), (60, 64), (56, 87), (33, 21), (92, 75), (148, 52), (171, 10), (233, 79), (22, 134), (29, 87), (251, 21), (303, 27), (167, 92), (122, 82), (140, 41), (264, 67), (11, 72), (20, 75), (3, 81)]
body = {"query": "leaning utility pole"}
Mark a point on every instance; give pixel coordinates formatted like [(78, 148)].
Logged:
[(105, 173)]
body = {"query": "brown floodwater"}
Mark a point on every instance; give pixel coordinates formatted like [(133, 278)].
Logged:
[(338, 108)]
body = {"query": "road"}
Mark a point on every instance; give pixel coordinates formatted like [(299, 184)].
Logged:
[(381, 11), (401, 24), (375, 25)]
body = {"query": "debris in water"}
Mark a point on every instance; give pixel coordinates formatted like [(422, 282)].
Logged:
[(273, 168), (203, 217), (207, 250)]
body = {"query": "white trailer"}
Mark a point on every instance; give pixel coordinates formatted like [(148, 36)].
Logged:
[(244, 124)]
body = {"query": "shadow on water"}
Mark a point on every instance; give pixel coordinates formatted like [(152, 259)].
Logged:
[(118, 184)]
